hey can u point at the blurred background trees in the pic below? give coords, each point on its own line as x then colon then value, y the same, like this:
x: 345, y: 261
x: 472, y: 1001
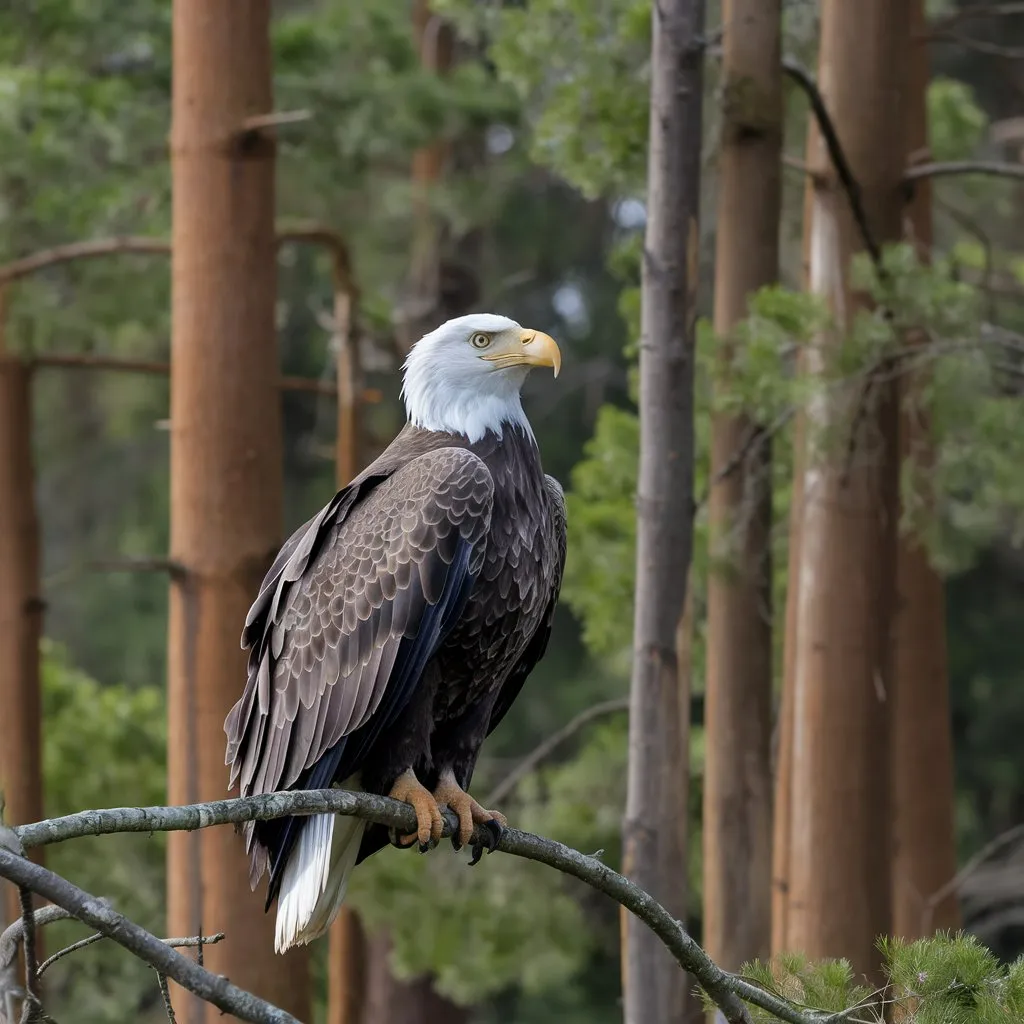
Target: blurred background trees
x: 493, y: 156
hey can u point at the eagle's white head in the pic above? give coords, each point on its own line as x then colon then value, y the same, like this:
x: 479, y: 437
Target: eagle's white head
x: 465, y: 377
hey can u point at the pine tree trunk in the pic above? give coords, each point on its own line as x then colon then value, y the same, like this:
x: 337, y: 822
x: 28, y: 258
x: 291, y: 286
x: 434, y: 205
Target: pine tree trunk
x: 840, y: 841
x: 21, y: 610
x: 783, y: 755
x: 404, y: 1002
x: 924, y: 839
x: 347, y: 955
x: 738, y: 708
x: 226, y: 490
x: 425, y: 301
x: 654, y: 856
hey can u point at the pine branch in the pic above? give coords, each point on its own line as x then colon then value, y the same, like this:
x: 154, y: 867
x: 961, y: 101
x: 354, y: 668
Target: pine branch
x: 727, y: 991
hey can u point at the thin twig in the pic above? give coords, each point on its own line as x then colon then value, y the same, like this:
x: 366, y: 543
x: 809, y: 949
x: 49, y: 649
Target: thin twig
x: 547, y: 747
x: 158, y: 368
x: 275, y: 118
x: 727, y: 991
x: 195, y: 941
x: 148, y: 948
x: 978, y: 45
x: 165, y: 992
x: 28, y: 932
x: 990, y: 168
x: 988, y: 851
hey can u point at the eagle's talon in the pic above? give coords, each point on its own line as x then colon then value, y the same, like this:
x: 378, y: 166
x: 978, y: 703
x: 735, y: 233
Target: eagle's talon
x: 495, y: 829
x: 429, y: 823
x: 468, y: 811
x: 478, y: 852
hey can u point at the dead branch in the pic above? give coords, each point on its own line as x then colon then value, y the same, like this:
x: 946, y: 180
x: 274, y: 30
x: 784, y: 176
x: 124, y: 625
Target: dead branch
x: 986, y: 853
x: 46, y: 258
x: 977, y: 45
x: 86, y: 908
x: 727, y: 991
x: 545, y: 749
x: 93, y: 361
x: 989, y: 168
x: 194, y: 942
x: 975, y: 12
x: 803, y: 78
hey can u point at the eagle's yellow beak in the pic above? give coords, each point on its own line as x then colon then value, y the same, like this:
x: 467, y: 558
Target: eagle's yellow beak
x: 529, y: 348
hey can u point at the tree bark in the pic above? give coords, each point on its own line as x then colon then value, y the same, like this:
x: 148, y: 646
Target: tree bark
x: 226, y: 473
x: 347, y: 956
x: 738, y: 708
x: 657, y: 796
x: 425, y: 304
x: 783, y: 756
x: 21, y: 611
x: 840, y: 826
x: 924, y: 835
x: 405, y: 1002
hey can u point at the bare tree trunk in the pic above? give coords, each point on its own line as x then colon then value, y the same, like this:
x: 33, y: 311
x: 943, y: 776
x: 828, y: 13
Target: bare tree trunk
x: 738, y: 708
x: 424, y: 299
x: 924, y: 840
x: 783, y: 755
x: 21, y: 611
x: 347, y: 970
x: 656, y: 806
x: 404, y: 1002
x: 840, y: 843
x: 225, y: 464
x: 347, y: 956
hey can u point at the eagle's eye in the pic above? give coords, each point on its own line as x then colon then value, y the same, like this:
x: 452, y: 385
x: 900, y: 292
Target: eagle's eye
x: 480, y: 340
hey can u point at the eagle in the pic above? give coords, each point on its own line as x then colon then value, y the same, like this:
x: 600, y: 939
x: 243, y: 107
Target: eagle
x: 396, y: 627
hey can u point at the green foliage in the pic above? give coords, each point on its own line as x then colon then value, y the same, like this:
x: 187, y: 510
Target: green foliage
x: 104, y: 746
x: 956, y: 124
x: 580, y: 68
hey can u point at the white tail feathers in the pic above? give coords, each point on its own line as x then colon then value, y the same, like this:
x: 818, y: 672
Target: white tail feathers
x: 316, y: 878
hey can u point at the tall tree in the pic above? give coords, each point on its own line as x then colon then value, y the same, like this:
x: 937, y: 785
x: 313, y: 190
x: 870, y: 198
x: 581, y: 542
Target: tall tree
x: 656, y: 805
x: 738, y: 707
x: 839, y: 811
x: 20, y: 608
x: 348, y: 951
x: 226, y: 497
x: 924, y: 842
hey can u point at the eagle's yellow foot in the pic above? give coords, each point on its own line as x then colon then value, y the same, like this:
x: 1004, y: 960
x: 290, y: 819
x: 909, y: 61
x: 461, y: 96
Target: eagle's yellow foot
x: 470, y: 814
x: 429, y: 823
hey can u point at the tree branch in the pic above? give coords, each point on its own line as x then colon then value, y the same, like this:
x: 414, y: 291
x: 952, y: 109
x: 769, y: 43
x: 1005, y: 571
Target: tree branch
x: 189, y: 943
x: 727, y: 991
x: 799, y: 74
x: 94, y: 361
x: 544, y: 749
x: 148, y: 948
x: 989, y: 168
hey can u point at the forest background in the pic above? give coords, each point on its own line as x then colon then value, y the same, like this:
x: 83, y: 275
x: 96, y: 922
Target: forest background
x: 491, y: 157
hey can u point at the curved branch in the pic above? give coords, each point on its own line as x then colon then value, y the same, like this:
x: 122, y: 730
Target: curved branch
x: 546, y: 747
x: 726, y: 990
x: 799, y: 74
x: 94, y: 912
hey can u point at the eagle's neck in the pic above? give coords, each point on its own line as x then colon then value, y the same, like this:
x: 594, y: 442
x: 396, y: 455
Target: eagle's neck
x: 433, y: 402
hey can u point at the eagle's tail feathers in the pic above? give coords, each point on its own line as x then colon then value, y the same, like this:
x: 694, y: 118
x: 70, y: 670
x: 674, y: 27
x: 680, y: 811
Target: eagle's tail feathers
x: 316, y: 878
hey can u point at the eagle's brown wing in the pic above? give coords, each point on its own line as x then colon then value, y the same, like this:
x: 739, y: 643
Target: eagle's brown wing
x: 539, y: 641
x: 346, y: 620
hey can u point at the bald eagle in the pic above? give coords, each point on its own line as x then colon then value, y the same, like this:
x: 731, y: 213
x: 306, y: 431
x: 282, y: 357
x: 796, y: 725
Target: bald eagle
x: 396, y: 627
